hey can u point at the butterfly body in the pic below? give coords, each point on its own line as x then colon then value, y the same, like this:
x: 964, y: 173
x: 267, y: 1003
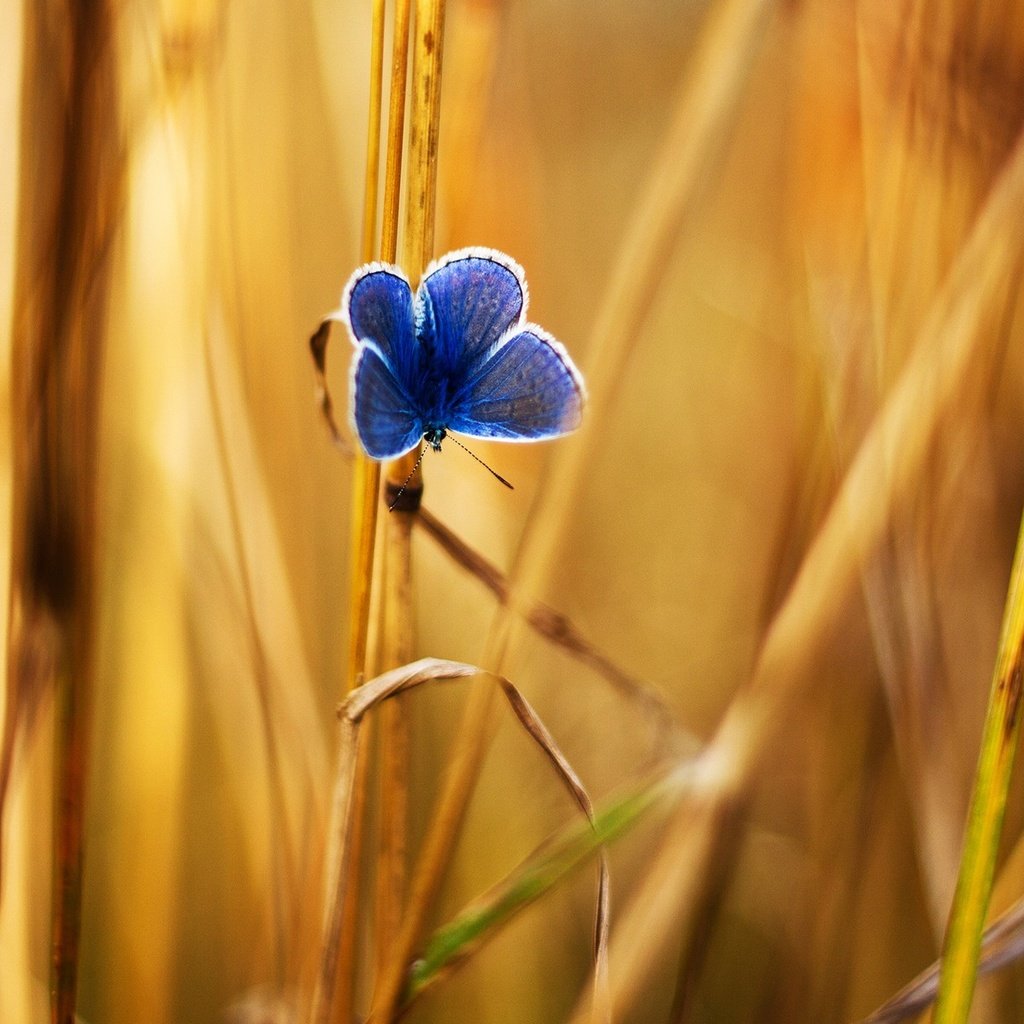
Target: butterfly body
x: 456, y: 356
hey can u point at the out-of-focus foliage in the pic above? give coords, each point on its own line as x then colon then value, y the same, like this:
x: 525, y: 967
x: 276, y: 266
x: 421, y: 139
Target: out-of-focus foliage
x: 830, y: 208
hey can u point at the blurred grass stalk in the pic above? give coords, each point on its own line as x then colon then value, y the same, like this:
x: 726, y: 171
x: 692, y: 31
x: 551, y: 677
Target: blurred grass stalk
x: 72, y: 184
x: 953, y: 357
x: 959, y: 969
x: 365, y: 504
x: 394, y: 646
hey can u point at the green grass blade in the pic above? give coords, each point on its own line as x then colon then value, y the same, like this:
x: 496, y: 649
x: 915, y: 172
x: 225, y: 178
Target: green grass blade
x: 458, y: 939
x: 988, y: 803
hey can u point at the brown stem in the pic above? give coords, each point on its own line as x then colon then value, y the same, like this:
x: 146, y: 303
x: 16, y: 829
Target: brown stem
x: 71, y: 174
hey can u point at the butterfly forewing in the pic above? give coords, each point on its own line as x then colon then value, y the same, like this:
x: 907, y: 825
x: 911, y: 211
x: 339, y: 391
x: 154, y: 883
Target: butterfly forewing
x: 466, y: 305
x: 378, y: 305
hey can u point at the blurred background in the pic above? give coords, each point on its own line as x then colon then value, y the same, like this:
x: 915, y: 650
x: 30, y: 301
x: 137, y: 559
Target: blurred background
x: 833, y: 162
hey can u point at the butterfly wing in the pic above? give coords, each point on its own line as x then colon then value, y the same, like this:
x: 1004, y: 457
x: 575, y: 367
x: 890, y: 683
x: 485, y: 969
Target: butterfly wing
x: 384, y: 417
x: 468, y: 300
x: 377, y: 305
x: 526, y: 389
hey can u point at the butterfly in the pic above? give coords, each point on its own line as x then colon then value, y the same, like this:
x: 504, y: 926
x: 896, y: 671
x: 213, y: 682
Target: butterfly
x: 458, y: 355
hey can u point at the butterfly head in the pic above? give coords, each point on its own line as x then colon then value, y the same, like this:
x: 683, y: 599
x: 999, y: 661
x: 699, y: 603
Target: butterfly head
x: 434, y: 436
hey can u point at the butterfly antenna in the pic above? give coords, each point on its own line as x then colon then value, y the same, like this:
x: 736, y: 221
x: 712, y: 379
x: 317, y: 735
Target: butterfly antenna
x: 481, y: 461
x: 412, y: 473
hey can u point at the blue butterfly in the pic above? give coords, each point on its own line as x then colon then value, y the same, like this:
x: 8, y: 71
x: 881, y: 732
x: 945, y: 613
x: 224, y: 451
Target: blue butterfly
x: 456, y: 356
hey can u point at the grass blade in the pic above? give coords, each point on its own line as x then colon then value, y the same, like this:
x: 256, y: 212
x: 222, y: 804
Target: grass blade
x: 988, y: 805
x: 453, y: 943
x: 71, y: 128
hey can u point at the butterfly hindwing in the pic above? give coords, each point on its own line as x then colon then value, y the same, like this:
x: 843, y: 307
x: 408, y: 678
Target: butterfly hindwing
x: 466, y: 303
x: 384, y: 417
x: 527, y: 390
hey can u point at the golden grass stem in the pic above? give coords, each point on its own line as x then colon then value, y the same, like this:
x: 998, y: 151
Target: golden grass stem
x: 421, y: 188
x: 72, y: 182
x: 424, y: 125
x: 367, y: 472
x: 335, y: 987
x: 417, y: 245
x: 396, y: 132
x: 60, y: 297
x: 396, y: 648
x: 959, y: 968
x: 364, y: 532
x: 340, y: 965
x: 373, y: 125
x: 395, y: 635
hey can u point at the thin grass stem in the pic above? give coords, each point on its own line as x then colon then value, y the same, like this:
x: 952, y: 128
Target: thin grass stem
x: 70, y: 127
x: 959, y: 968
x: 396, y: 132
x: 340, y: 945
x: 367, y: 472
x: 396, y: 648
x: 417, y: 245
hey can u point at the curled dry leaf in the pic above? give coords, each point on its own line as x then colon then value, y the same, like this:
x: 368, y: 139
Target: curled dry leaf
x: 351, y: 714
x: 318, y: 349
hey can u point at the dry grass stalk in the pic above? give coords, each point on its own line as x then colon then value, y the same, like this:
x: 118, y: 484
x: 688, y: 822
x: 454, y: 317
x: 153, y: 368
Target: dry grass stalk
x: 417, y: 246
x: 366, y: 471
x: 396, y: 132
x: 339, y: 952
x: 365, y: 504
x: 72, y: 174
x: 396, y: 648
x: 711, y: 89
x: 395, y: 629
x: 421, y: 188
x: 942, y: 368
x: 561, y: 631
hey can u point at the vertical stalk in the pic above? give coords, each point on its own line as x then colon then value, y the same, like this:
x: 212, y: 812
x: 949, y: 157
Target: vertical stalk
x: 71, y: 173
x: 418, y: 240
x: 396, y: 133
x: 339, y: 964
x: 395, y: 646
x: 334, y: 992
x: 959, y: 968
x: 367, y: 472
x: 417, y: 249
